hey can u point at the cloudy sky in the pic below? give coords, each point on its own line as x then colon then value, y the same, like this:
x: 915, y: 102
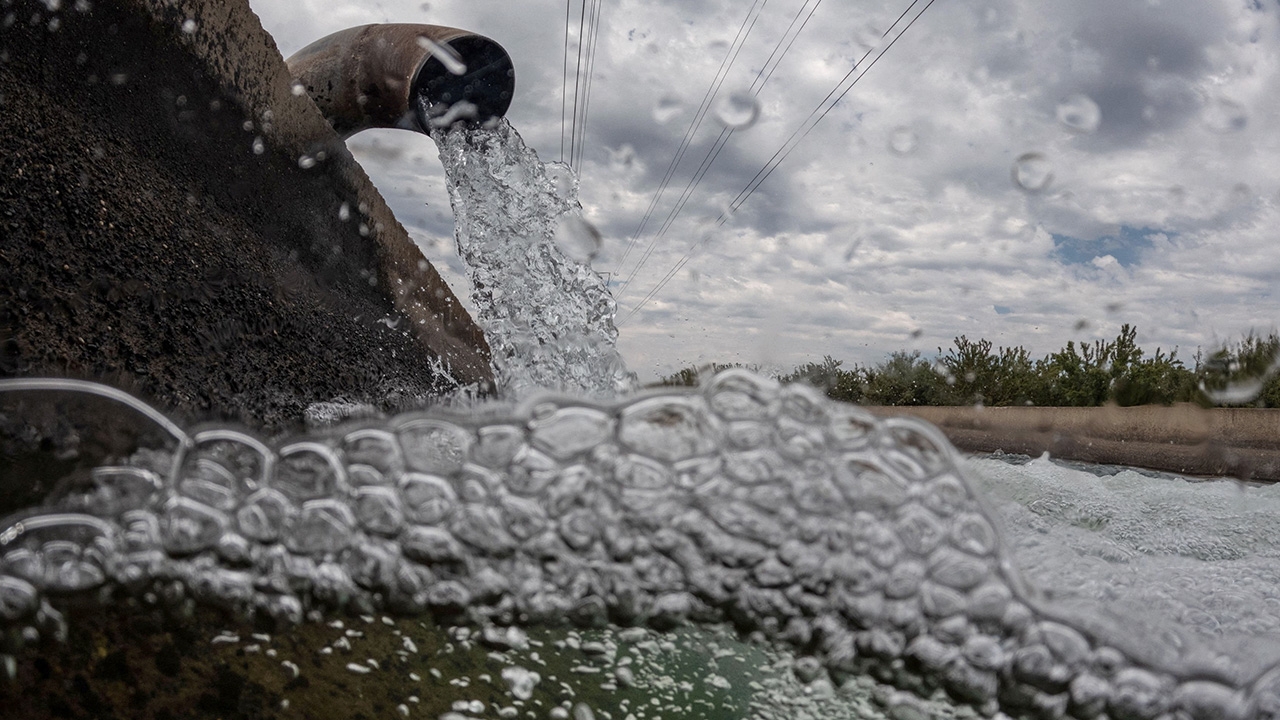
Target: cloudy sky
x: 1020, y: 170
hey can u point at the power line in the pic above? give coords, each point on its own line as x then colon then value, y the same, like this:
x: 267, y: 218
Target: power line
x: 577, y: 79
x: 714, y: 152
x: 675, y: 210
x: 771, y: 64
x: 784, y: 151
x: 564, y: 76
x: 794, y: 141
x: 694, y: 124
x: 793, y: 39
x: 594, y: 46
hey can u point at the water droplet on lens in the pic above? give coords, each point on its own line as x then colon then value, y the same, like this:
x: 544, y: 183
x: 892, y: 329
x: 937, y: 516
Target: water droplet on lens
x: 902, y: 140
x: 447, y: 56
x: 562, y: 179
x: 868, y: 37
x: 1032, y: 172
x: 297, y: 88
x: 258, y: 146
x: 1224, y: 116
x: 344, y: 212
x: 306, y: 162
x: 578, y: 239
x: 189, y: 26
x: 738, y: 110
x: 852, y: 249
x: 669, y: 106
x: 623, y: 158
x: 1079, y: 113
x: 1235, y: 393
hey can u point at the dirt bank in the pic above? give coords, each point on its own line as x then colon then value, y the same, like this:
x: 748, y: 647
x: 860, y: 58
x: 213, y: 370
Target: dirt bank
x: 173, y: 224
x: 176, y: 222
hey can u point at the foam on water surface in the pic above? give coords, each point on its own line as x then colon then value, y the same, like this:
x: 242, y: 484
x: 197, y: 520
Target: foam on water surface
x: 855, y: 541
x: 1197, y: 563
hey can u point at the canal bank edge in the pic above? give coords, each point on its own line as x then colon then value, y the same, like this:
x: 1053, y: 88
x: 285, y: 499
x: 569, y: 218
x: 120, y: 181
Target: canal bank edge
x: 178, y: 222
x: 1233, y: 442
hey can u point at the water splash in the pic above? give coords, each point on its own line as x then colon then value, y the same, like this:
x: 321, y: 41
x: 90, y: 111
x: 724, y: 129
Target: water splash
x: 549, y: 318
x: 858, y: 542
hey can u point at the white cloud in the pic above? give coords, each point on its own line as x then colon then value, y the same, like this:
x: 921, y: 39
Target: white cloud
x: 862, y: 242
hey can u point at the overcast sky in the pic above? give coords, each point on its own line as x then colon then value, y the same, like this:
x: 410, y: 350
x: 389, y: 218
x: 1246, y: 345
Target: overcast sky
x: 899, y: 222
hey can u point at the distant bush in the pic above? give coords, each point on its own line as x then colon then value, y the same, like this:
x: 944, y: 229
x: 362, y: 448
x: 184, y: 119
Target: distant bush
x: 1085, y: 375
x: 691, y: 376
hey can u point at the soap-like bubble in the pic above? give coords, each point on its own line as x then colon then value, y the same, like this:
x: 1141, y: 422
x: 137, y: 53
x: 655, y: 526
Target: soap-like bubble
x: 738, y: 110
x: 1032, y: 172
x: 1079, y: 113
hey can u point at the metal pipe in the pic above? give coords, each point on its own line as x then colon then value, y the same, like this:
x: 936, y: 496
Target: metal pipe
x: 414, y: 77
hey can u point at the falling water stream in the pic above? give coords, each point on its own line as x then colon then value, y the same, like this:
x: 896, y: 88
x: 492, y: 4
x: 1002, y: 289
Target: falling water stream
x: 548, y: 316
x: 859, y: 552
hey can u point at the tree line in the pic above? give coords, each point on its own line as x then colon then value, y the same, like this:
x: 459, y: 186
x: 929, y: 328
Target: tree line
x: 972, y: 372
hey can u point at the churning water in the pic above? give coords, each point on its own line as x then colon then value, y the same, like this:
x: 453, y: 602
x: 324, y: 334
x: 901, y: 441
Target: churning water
x: 860, y: 550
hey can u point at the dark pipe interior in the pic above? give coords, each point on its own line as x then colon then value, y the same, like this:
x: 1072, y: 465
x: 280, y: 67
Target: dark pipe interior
x: 488, y: 82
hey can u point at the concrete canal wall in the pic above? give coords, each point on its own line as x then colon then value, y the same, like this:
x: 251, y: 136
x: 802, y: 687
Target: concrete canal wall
x: 1239, y: 442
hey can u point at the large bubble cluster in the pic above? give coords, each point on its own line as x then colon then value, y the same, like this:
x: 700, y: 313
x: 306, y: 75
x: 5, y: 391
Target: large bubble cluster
x: 853, y: 540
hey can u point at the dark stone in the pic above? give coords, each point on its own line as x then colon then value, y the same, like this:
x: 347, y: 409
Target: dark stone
x: 168, y: 661
x: 148, y: 247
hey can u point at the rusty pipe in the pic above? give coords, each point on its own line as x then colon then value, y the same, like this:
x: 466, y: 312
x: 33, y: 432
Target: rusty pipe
x: 414, y: 77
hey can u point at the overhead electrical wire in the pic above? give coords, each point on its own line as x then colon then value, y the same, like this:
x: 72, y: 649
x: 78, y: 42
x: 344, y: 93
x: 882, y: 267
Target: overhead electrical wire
x: 789, y: 146
x: 648, y: 252
x: 577, y: 79
x: 593, y: 46
x: 573, y: 119
x: 793, y: 141
x: 726, y: 133
x: 771, y: 64
x: 695, y: 123
x: 564, y: 77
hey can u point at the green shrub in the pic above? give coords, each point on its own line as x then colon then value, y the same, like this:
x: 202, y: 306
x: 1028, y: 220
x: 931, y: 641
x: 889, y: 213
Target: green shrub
x: 1084, y: 375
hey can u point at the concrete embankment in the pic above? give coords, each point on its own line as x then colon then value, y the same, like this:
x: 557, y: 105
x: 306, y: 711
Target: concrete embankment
x: 175, y: 221
x: 180, y: 222
x: 1237, y: 442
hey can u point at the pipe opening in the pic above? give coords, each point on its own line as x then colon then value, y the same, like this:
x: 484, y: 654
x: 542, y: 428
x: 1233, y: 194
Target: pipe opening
x: 487, y: 85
